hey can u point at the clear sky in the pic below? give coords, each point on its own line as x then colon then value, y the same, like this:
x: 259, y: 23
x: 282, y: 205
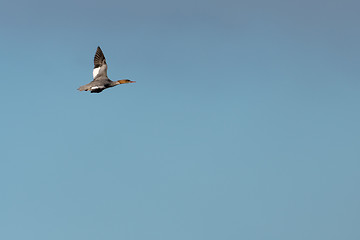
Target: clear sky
x: 243, y: 122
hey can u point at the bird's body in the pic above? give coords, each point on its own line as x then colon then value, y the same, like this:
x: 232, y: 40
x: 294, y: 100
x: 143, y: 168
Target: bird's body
x: 101, y: 80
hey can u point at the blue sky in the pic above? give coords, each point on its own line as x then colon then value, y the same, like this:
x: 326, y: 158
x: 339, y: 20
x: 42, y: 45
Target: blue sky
x: 243, y: 122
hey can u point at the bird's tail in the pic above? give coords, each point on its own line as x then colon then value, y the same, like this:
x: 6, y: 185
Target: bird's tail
x: 84, y: 88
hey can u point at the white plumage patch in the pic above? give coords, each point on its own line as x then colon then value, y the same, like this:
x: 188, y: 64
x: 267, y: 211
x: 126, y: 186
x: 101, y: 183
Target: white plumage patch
x: 96, y: 87
x: 96, y: 71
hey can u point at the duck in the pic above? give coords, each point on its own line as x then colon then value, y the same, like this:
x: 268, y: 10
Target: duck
x: 101, y: 80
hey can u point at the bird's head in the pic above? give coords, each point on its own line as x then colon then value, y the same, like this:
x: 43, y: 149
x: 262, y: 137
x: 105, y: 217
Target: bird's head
x: 124, y: 81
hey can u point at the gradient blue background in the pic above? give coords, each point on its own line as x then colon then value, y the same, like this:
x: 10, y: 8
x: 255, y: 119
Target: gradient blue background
x: 243, y: 123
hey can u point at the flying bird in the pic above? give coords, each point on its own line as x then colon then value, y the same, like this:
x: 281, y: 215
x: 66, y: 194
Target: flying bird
x: 101, y: 80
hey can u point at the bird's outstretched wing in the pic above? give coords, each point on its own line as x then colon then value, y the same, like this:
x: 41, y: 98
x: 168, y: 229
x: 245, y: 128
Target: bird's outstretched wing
x: 100, y: 67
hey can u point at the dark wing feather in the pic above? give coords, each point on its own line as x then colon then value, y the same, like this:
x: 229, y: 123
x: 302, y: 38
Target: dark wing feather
x: 100, y: 66
x: 99, y: 58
